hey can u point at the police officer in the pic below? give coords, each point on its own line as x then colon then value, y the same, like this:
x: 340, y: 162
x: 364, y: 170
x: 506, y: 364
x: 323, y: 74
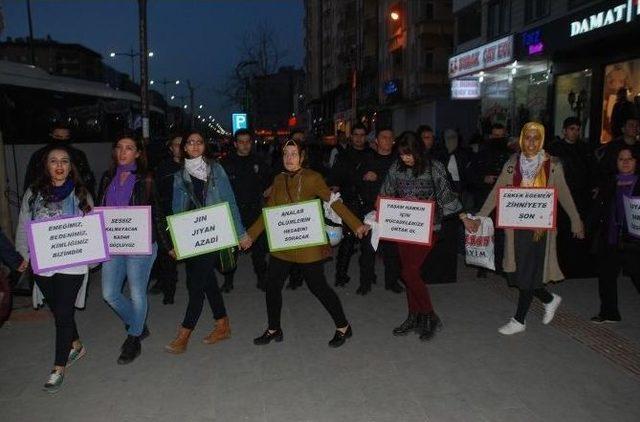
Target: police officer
x: 250, y: 177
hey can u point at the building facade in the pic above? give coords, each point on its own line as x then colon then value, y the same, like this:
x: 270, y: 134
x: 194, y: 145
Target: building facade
x: 547, y: 60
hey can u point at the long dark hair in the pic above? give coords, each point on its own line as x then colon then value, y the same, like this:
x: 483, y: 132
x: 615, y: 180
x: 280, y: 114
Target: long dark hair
x: 205, y: 155
x: 409, y: 144
x: 141, y: 161
x: 42, y: 184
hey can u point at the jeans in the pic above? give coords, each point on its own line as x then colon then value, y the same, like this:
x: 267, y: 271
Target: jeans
x: 136, y: 270
x: 201, y: 282
x: 314, y: 275
x: 60, y: 292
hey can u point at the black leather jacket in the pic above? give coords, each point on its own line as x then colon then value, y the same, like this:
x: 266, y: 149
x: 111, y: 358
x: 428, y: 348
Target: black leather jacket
x: 144, y: 193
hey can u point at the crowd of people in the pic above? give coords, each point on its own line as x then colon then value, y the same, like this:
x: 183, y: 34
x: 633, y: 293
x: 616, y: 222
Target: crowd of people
x: 462, y: 181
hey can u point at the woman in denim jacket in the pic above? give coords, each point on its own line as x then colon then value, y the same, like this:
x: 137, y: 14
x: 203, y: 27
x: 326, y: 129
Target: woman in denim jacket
x: 57, y: 192
x: 198, y: 184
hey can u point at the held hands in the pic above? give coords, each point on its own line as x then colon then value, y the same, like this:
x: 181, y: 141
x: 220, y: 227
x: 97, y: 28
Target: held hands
x: 362, y: 231
x: 470, y: 225
x: 579, y: 234
x: 172, y: 254
x: 370, y: 177
x: 23, y: 265
x: 245, y: 242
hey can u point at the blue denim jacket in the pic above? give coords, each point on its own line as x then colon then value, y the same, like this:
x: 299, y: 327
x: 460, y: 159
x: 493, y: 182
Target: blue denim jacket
x: 218, y: 190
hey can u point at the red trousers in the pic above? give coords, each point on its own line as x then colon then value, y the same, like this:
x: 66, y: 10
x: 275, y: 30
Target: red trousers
x: 411, y: 258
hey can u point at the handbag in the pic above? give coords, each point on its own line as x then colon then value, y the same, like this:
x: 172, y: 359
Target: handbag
x: 227, y: 260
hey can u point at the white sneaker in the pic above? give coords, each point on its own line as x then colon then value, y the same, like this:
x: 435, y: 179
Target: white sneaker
x: 550, y: 309
x: 512, y: 327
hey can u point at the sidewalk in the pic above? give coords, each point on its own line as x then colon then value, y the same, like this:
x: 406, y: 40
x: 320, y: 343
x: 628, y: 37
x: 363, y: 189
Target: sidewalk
x: 467, y: 373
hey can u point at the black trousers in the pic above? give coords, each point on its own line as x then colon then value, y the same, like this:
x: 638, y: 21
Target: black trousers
x: 390, y: 258
x: 60, y: 292
x: 258, y: 259
x: 201, y: 282
x: 314, y: 275
x: 441, y: 265
x: 611, y: 261
x: 166, y: 272
x: 526, y: 297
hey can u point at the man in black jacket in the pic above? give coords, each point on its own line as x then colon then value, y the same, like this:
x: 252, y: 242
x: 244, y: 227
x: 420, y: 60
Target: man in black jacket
x: 250, y: 177
x: 61, y: 134
x: 370, y: 177
x: 343, y: 177
x: 166, y: 267
x: 578, y: 163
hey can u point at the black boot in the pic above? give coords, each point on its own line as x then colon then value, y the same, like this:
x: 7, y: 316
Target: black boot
x: 267, y: 337
x: 394, y: 287
x: 130, y: 350
x: 428, y: 324
x: 407, y: 326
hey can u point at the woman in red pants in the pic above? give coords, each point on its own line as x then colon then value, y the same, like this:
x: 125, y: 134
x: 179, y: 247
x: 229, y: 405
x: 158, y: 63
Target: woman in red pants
x: 415, y: 176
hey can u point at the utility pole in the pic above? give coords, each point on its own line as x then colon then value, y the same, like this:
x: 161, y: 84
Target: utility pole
x: 192, y: 90
x: 32, y: 52
x: 144, y: 70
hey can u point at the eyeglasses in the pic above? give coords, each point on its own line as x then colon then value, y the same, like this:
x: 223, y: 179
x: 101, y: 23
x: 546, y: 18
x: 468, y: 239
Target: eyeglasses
x: 195, y: 142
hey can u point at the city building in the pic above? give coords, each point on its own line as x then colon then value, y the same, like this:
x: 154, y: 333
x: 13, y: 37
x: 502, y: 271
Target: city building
x: 380, y: 62
x: 547, y: 60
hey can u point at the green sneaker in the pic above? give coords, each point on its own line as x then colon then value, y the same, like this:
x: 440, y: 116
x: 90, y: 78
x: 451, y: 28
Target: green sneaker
x: 75, y: 355
x: 54, y: 382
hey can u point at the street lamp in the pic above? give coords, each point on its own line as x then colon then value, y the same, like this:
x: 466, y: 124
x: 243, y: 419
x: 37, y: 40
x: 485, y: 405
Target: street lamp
x: 394, y: 15
x: 164, y: 83
x: 132, y: 55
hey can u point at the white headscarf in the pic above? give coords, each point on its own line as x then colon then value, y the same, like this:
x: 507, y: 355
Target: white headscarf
x: 196, y: 167
x: 529, y: 167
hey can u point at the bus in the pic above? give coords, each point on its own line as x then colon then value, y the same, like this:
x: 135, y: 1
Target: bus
x: 32, y: 100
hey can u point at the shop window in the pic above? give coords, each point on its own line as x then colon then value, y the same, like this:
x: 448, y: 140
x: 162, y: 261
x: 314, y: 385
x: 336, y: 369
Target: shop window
x: 573, y: 99
x: 621, y: 97
x: 469, y: 22
x: 499, y: 18
x: 536, y: 9
x: 530, y: 99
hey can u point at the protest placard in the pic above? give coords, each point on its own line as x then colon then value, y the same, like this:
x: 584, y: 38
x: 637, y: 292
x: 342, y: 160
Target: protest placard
x: 65, y: 242
x: 295, y: 226
x: 201, y: 231
x: 404, y: 220
x: 128, y: 229
x: 632, y: 213
x: 527, y: 208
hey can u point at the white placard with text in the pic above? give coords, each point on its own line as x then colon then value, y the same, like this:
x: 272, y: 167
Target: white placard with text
x: 128, y: 229
x: 527, y: 208
x: 409, y: 221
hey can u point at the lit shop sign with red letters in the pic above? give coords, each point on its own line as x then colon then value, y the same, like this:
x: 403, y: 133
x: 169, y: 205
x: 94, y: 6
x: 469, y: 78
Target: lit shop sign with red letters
x: 489, y: 55
x: 624, y: 12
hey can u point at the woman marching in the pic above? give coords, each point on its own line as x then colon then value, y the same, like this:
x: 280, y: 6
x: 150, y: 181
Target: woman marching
x: 57, y: 192
x: 616, y: 249
x: 128, y: 183
x: 198, y: 184
x: 296, y: 184
x: 415, y: 176
x: 531, y: 254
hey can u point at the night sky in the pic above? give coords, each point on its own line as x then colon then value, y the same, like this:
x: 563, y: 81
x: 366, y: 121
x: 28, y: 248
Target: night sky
x: 191, y: 39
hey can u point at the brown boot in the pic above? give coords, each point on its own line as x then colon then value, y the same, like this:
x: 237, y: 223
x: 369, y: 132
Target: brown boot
x: 221, y: 332
x: 179, y: 344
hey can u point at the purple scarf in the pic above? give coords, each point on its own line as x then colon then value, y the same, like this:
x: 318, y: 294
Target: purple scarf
x: 625, y: 184
x: 119, y: 195
x: 58, y: 193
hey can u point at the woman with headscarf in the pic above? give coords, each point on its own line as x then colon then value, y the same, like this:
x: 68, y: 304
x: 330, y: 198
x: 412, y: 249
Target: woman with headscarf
x: 531, y: 254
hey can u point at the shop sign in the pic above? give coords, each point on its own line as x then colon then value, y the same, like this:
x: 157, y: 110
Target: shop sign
x: 532, y: 41
x: 489, y: 55
x: 623, y: 12
x: 465, y: 89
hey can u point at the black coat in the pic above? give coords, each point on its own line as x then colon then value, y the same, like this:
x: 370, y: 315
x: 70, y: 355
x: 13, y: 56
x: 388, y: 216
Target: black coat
x: 249, y: 177
x: 164, y: 182
x: 144, y: 193
x: 346, y: 173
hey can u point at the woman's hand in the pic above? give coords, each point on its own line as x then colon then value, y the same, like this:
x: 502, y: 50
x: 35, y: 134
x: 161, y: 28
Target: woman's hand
x: 172, y: 254
x: 245, y: 242
x: 579, y: 234
x: 23, y: 265
x: 362, y: 231
x: 470, y: 225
